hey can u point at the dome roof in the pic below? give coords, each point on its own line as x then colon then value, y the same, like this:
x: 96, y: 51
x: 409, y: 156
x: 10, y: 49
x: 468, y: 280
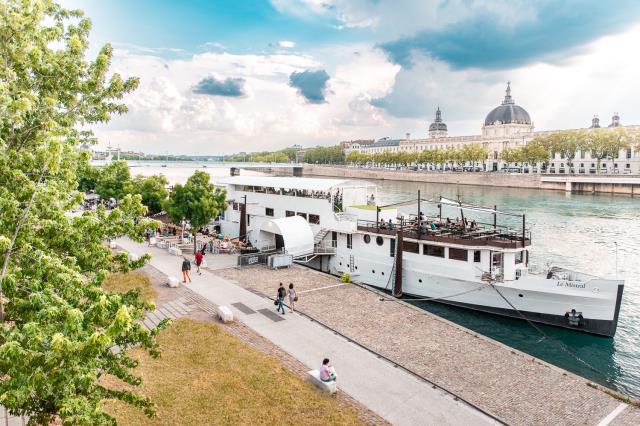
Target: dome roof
x: 438, y: 124
x: 508, y: 112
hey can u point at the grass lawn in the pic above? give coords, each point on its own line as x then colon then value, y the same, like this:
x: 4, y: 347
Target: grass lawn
x: 119, y: 283
x: 206, y: 376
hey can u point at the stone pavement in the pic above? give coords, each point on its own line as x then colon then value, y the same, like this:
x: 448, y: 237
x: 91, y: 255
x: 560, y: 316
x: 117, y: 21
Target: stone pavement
x: 394, y: 394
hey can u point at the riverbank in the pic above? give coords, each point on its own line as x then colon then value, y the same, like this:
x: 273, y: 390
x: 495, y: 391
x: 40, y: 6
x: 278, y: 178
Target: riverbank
x: 392, y: 339
x: 617, y: 184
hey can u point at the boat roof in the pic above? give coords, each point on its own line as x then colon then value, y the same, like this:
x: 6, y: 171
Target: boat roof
x: 289, y: 182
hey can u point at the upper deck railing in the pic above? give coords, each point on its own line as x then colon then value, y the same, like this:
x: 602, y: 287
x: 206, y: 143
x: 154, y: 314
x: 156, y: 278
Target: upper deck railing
x: 484, y: 234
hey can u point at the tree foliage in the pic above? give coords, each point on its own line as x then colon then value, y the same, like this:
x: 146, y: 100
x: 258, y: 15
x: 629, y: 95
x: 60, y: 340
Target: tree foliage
x: 114, y: 180
x: 198, y: 201
x: 152, y: 189
x: 324, y: 155
x: 58, y: 327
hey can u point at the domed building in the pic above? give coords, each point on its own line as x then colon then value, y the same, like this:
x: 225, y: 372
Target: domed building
x: 507, y: 119
x: 438, y: 129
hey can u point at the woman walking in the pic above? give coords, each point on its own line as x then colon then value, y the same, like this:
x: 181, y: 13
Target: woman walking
x: 199, y: 257
x: 186, y: 267
x: 293, y: 297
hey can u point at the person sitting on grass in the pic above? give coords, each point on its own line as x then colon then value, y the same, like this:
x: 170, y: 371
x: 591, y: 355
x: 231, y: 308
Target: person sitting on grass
x: 327, y: 372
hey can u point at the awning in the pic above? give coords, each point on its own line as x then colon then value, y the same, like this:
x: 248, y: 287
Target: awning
x: 296, y: 234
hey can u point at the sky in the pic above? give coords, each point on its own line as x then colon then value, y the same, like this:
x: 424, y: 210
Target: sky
x: 220, y: 77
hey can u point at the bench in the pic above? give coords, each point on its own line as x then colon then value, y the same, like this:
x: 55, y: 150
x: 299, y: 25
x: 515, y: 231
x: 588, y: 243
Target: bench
x: 224, y: 313
x: 313, y: 376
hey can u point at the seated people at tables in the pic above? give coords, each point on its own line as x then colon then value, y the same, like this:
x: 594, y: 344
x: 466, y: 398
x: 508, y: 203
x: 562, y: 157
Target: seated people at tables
x: 382, y: 224
x: 474, y: 226
x: 433, y: 226
x: 390, y: 224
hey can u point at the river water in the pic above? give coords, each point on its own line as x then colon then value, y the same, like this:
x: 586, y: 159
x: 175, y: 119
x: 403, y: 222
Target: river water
x: 576, y: 231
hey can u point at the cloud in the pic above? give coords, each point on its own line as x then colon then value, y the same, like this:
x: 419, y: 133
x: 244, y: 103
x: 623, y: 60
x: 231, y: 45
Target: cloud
x: 231, y: 87
x: 547, y: 33
x: 286, y: 44
x: 310, y: 84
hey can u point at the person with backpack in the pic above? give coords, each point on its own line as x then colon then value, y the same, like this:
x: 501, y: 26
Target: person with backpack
x: 186, y: 267
x: 282, y: 292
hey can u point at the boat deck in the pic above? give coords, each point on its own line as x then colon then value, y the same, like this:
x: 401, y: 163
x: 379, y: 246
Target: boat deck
x: 500, y: 237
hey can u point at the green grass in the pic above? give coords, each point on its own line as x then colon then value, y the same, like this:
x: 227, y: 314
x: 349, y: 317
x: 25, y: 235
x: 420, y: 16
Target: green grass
x: 207, y: 376
x: 119, y: 283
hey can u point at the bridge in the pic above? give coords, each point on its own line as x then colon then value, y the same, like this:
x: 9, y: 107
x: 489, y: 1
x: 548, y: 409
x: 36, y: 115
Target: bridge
x: 593, y: 184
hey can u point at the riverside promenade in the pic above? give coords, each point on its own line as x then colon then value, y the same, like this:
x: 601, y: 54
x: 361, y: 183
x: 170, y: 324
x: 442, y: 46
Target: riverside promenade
x: 396, y: 395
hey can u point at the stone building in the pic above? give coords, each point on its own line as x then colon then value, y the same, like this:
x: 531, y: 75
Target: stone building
x: 506, y: 126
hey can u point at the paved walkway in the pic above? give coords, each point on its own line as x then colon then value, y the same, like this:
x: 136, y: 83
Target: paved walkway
x: 394, y: 394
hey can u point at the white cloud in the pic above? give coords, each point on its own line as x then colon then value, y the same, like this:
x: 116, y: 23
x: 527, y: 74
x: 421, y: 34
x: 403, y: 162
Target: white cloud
x: 165, y: 115
x: 286, y: 44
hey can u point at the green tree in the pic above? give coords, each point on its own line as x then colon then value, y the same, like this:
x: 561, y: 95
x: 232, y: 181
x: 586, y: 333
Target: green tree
x: 153, y: 190
x: 114, y: 181
x: 58, y: 327
x: 88, y: 175
x: 536, y: 152
x: 198, y: 201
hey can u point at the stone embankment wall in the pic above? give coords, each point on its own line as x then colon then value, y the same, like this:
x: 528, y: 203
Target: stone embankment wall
x: 505, y: 180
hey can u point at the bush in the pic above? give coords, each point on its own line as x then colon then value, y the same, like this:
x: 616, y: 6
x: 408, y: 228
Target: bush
x: 346, y: 278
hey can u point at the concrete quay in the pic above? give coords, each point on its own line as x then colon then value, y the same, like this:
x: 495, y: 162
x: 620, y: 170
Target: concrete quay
x: 394, y: 394
x: 600, y: 184
x: 513, y: 386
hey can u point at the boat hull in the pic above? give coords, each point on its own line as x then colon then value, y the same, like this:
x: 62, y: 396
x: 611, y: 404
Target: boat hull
x: 600, y: 327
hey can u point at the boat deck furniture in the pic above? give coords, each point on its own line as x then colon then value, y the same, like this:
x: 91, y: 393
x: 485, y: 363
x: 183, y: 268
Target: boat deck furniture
x: 313, y: 376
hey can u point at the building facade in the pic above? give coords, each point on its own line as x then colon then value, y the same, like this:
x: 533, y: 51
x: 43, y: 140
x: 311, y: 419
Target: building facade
x: 507, y: 126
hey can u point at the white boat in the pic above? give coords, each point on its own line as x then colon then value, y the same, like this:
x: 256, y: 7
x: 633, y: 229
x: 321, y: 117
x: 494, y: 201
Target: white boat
x: 335, y: 226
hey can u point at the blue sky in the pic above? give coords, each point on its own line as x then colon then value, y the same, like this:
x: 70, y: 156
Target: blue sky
x: 222, y: 75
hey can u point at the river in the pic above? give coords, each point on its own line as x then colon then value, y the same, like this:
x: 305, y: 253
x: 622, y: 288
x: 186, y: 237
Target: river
x: 570, y: 230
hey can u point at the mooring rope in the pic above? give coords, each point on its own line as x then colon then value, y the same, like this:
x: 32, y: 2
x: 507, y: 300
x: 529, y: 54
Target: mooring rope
x: 427, y: 299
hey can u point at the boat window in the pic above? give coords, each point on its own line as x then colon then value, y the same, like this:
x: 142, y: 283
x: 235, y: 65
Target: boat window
x: 476, y: 256
x: 379, y: 240
x: 458, y: 254
x: 519, y: 257
x: 334, y: 238
x: 436, y: 251
x: 289, y: 213
x: 314, y: 219
x: 366, y: 238
x: 392, y: 247
x: 235, y: 206
x: 411, y: 247
x: 349, y: 241
x: 268, y: 211
x: 302, y: 214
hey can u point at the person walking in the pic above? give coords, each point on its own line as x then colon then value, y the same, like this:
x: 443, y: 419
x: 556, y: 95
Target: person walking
x: 282, y: 292
x: 186, y: 267
x: 199, y: 257
x: 293, y: 297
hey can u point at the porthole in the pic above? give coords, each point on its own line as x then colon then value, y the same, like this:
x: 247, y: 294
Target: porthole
x: 379, y: 240
x: 373, y: 271
x: 382, y: 273
x: 355, y: 267
x: 520, y: 295
x: 347, y: 265
x: 367, y: 238
x: 340, y: 263
x: 420, y: 280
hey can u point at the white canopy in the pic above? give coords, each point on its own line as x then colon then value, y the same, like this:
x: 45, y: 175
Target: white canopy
x: 296, y: 234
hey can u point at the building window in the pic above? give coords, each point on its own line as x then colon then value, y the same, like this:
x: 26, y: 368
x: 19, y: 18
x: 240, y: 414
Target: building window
x: 366, y: 238
x: 268, y: 211
x: 458, y: 254
x: 582, y: 154
x: 430, y: 250
x: 334, y: 238
x: 289, y: 213
x: 476, y: 256
x: 628, y: 153
x: 411, y: 247
x: 304, y: 215
x: 349, y: 241
x: 379, y: 240
x: 314, y: 219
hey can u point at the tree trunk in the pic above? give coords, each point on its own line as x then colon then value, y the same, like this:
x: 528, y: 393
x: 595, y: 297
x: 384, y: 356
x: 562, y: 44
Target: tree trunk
x: 195, y: 243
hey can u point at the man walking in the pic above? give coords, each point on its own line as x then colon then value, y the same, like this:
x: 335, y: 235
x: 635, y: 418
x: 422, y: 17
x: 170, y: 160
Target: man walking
x: 282, y: 292
x: 186, y: 267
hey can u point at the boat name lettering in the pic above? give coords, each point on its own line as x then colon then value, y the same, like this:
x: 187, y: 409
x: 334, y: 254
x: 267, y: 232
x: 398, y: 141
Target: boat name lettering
x: 574, y: 284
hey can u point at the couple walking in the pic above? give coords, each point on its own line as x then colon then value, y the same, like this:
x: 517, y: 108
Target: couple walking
x: 282, y: 293
x: 186, y: 266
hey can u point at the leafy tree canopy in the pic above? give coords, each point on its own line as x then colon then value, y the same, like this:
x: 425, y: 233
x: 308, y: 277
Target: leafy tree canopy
x: 198, y: 201
x: 58, y: 328
x: 153, y: 191
x: 114, y: 180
